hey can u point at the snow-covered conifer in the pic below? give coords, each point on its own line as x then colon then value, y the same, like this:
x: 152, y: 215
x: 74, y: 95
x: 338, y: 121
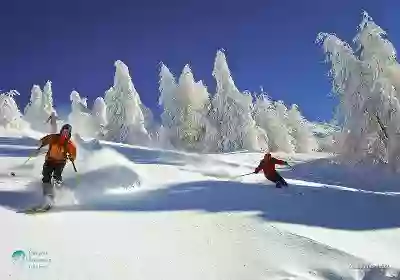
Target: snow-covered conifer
x: 35, y: 112
x: 100, y: 115
x: 48, y: 97
x: 80, y: 117
x: 282, y: 137
x: 300, y: 130
x: 184, y: 109
x: 365, y: 81
x: 10, y: 116
x: 125, y: 120
x: 231, y: 112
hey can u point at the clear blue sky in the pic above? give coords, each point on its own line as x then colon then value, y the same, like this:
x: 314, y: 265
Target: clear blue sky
x: 268, y: 42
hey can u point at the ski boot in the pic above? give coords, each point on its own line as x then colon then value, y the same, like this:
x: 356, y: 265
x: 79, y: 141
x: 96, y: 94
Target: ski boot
x: 57, y: 183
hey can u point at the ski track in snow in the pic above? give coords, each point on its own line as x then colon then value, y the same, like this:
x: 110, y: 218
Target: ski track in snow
x: 140, y: 213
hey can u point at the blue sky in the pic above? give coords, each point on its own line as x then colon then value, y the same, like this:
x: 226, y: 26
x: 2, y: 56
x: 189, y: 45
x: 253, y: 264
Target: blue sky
x: 268, y: 43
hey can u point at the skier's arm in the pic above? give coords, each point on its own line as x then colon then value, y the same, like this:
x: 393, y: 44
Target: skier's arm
x: 259, y: 167
x: 45, y: 141
x: 281, y: 162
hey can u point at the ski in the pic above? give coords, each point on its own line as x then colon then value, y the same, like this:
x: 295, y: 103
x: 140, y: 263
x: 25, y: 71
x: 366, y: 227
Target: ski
x: 40, y: 208
x: 288, y: 190
x: 37, y: 209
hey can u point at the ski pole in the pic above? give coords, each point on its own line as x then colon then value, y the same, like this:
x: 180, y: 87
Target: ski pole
x: 76, y: 171
x: 26, y: 161
x: 244, y: 175
x: 78, y: 178
x: 35, y: 153
x: 29, y: 158
x: 73, y: 165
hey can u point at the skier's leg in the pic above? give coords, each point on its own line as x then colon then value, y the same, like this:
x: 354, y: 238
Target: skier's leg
x: 280, y: 179
x: 274, y: 179
x: 47, y: 170
x: 58, y: 170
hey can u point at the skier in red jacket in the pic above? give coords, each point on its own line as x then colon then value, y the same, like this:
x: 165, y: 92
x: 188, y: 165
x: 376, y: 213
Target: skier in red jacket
x: 268, y: 166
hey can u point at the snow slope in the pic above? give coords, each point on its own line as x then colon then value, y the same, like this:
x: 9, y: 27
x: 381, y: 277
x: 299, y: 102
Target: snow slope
x: 139, y: 213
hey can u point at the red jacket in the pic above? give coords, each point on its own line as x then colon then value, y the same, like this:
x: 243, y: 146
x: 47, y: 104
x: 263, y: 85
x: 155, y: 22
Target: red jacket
x: 268, y: 166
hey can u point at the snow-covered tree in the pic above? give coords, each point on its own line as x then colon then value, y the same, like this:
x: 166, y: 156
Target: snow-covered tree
x: 35, y: 100
x: 150, y: 124
x: 266, y: 118
x: 184, y: 109
x: 80, y: 117
x: 125, y: 120
x: 231, y: 112
x: 38, y: 110
x: 100, y: 115
x: 10, y: 116
x: 301, y: 132
x: 201, y: 128
x: 168, y: 99
x: 350, y: 87
x: 48, y: 97
x: 284, y: 140
x: 193, y: 98
x: 366, y: 81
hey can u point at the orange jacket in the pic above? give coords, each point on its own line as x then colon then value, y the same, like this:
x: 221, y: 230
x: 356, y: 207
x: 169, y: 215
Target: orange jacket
x: 268, y: 166
x: 59, y: 150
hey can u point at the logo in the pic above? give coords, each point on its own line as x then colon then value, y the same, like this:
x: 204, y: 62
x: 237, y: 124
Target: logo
x: 31, y: 259
x: 18, y: 256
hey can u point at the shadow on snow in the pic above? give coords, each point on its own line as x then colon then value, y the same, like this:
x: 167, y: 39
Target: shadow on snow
x: 18, y: 141
x: 17, y: 147
x: 142, y: 155
x: 321, y: 207
x: 324, y: 171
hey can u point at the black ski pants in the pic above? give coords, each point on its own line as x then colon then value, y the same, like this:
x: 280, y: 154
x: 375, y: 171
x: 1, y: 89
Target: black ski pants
x: 277, y: 178
x: 52, y: 169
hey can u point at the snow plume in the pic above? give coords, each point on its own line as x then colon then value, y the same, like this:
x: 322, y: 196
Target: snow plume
x: 39, y: 108
x: 231, y: 112
x: 366, y: 82
x: 185, y: 108
x: 10, y: 116
x: 125, y: 119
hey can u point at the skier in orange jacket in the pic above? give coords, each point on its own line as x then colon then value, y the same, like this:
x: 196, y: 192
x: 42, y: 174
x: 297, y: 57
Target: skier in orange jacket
x: 61, y: 149
x: 268, y: 166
